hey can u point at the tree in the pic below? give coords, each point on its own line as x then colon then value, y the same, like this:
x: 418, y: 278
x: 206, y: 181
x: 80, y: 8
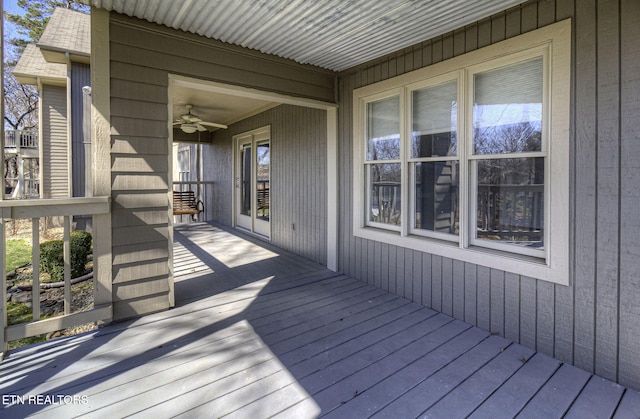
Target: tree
x: 32, y: 23
x: 21, y: 102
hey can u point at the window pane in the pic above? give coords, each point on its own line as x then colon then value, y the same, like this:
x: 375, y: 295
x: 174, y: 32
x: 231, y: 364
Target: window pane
x: 383, y: 129
x: 245, y: 179
x: 507, y: 110
x: 436, y: 196
x: 435, y: 119
x: 511, y: 201
x: 262, y: 180
x: 384, y: 193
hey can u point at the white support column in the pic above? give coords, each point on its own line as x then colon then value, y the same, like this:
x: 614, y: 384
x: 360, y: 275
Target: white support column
x: 67, y: 264
x: 170, y: 161
x: 44, y: 183
x: 35, y: 263
x: 332, y: 189
x: 69, y: 130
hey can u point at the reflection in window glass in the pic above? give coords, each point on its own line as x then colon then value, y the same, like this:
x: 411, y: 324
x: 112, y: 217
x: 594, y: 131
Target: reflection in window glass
x: 262, y: 180
x: 510, y: 201
x: 245, y: 180
x: 507, y: 109
x: 435, y: 118
x: 436, y: 196
x: 384, y: 193
x: 383, y: 129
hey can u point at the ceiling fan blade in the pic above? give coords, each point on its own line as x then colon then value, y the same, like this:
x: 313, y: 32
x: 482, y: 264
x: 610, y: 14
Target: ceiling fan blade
x: 200, y: 127
x: 213, y: 124
x: 190, y: 118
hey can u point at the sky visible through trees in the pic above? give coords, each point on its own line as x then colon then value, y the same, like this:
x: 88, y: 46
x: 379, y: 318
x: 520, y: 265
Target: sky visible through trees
x: 24, y: 22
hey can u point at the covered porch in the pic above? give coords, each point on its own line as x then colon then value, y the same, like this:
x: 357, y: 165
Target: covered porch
x: 260, y: 332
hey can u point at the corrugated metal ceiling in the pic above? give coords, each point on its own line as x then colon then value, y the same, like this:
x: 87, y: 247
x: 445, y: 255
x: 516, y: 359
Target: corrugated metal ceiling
x: 333, y: 34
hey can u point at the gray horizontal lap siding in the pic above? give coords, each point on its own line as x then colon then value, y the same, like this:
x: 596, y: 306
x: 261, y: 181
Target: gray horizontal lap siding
x: 142, y: 56
x: 595, y: 322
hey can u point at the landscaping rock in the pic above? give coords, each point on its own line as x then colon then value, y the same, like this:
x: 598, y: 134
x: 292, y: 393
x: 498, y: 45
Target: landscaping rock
x: 51, y: 307
x: 21, y: 297
x: 53, y: 335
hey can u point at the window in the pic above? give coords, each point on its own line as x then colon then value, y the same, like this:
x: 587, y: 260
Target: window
x: 382, y: 164
x: 508, y: 140
x: 466, y: 158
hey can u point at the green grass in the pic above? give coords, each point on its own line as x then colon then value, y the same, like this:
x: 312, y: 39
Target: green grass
x: 19, y: 313
x: 18, y: 253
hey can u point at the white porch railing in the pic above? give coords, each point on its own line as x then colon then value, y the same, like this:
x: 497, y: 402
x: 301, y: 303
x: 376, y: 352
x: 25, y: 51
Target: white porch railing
x: 21, y: 139
x: 29, y: 190
x: 99, y: 209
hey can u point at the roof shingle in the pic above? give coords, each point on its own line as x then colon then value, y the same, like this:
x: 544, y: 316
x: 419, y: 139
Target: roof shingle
x: 67, y: 30
x: 32, y: 64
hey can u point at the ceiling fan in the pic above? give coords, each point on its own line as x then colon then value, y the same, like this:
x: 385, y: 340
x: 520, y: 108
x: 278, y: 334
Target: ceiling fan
x: 190, y: 123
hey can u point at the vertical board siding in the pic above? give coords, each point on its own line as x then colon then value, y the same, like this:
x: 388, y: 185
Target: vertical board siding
x: 484, y: 298
x: 55, y: 144
x: 585, y: 183
x: 594, y: 322
x: 470, y: 294
x: 608, y: 186
x: 220, y: 173
x: 80, y: 131
x: 545, y: 317
x: 298, y: 176
x: 496, y: 294
x: 629, y: 257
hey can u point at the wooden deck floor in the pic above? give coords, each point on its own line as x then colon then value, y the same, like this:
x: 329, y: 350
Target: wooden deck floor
x: 258, y: 332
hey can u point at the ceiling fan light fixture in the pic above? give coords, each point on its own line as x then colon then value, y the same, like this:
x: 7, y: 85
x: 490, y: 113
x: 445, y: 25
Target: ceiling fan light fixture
x: 190, y: 123
x: 188, y: 128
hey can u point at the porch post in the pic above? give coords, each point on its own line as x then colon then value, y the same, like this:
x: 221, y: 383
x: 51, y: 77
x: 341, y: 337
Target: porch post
x: 332, y: 189
x: 172, y: 294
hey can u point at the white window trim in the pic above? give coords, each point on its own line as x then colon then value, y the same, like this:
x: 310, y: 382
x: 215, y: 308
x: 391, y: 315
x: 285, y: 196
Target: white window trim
x: 399, y: 92
x: 555, y: 267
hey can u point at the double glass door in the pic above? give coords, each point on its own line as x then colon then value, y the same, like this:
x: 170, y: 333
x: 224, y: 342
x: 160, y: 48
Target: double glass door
x: 253, y: 181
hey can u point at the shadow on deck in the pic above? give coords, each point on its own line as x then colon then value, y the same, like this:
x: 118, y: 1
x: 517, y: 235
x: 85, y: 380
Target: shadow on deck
x: 258, y: 332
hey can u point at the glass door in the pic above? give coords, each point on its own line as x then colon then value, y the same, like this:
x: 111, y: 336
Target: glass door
x: 243, y: 185
x: 262, y: 185
x: 253, y: 181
